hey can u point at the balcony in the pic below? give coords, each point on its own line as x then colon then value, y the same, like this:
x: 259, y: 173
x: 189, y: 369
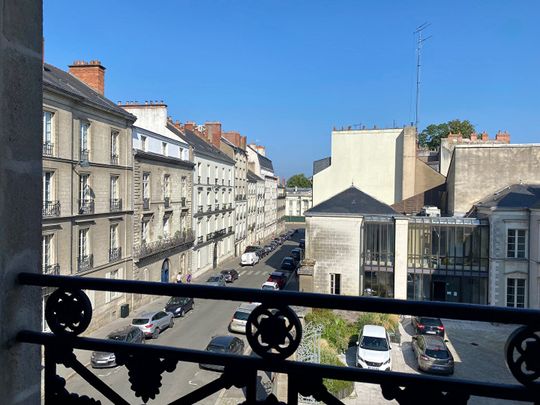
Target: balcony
x: 85, y: 263
x: 51, y: 209
x: 277, y: 338
x: 116, y: 204
x: 48, y: 149
x: 115, y: 254
x: 84, y: 157
x: 114, y: 159
x: 146, y: 204
x: 200, y: 239
x: 146, y: 249
x: 167, y: 202
x: 86, y: 206
x: 209, y: 208
x: 52, y: 269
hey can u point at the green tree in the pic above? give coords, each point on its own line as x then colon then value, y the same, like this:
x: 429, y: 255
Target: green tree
x: 299, y: 180
x: 431, y: 136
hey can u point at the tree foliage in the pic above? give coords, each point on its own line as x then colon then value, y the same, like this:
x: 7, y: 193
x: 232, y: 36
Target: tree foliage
x: 431, y: 136
x: 299, y: 180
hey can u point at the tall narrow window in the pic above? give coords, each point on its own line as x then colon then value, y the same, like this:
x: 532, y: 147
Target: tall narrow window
x: 166, y: 227
x: 164, y: 149
x: 516, y: 243
x: 167, y: 186
x: 114, y: 148
x: 144, y: 232
x: 515, y: 292
x: 86, y: 203
x: 335, y: 283
x: 84, y: 141
x: 143, y: 143
x: 47, y: 252
x: 47, y: 133
x: 146, y: 185
x: 47, y: 187
x: 113, y: 236
x: 84, y: 248
x: 114, y: 187
x: 183, y: 187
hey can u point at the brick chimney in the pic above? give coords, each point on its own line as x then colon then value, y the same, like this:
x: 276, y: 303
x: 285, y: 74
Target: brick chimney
x: 213, y: 133
x: 91, y: 73
x: 233, y: 137
x: 484, y: 136
x: 502, y: 137
x: 474, y: 136
x: 243, y: 142
x: 262, y: 150
x: 190, y: 125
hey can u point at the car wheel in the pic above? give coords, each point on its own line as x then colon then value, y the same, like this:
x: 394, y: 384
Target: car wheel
x: 171, y: 323
x: 155, y: 335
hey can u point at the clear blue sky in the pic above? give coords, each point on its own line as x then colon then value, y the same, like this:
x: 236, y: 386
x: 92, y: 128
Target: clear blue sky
x: 285, y: 72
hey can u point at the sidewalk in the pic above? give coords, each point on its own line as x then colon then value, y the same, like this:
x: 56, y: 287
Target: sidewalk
x: 84, y: 355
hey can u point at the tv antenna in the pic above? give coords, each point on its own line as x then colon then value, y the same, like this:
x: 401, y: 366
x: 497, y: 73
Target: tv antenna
x: 419, y: 42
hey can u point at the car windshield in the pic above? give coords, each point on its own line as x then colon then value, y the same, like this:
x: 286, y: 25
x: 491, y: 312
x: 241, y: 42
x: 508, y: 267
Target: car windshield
x: 119, y: 338
x: 437, y: 353
x: 176, y: 301
x: 241, y: 315
x: 215, y: 348
x: 430, y: 321
x: 213, y: 279
x: 374, y: 343
x: 140, y: 321
x: 268, y: 287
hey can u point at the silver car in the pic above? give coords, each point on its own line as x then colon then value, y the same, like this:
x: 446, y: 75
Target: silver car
x: 239, y: 319
x: 152, y: 323
x: 217, y: 281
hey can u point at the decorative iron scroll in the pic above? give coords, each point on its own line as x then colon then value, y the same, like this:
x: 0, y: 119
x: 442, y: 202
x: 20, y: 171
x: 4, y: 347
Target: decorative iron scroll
x: 68, y: 312
x: 273, y: 332
x: 522, y: 350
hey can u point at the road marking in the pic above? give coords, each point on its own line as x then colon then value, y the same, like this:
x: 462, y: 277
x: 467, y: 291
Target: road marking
x: 192, y: 383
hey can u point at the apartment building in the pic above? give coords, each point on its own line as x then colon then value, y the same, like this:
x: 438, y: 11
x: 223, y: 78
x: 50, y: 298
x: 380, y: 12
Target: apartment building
x: 280, y: 208
x: 252, y: 206
x: 87, y: 183
x: 234, y: 145
x: 299, y: 200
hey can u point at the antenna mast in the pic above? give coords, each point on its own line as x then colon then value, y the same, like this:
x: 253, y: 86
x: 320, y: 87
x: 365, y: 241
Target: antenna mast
x: 419, y: 43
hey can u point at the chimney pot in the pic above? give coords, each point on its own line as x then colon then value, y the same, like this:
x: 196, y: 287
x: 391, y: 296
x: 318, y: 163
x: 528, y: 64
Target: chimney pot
x: 92, y: 74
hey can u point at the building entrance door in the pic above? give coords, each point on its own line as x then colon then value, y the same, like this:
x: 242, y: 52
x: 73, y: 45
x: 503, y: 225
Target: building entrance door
x: 165, y: 271
x: 439, y: 291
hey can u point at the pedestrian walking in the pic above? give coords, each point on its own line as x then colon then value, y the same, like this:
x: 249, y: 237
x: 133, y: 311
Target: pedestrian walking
x: 188, y: 278
x: 179, y: 278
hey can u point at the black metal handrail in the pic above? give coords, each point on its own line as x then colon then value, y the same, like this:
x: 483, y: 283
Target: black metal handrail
x: 52, y: 269
x: 149, y: 248
x: 115, y: 254
x: 86, y: 206
x: 85, y: 262
x: 84, y: 156
x: 303, y: 377
x: 48, y: 149
x: 114, y: 159
x: 116, y: 204
x: 51, y: 209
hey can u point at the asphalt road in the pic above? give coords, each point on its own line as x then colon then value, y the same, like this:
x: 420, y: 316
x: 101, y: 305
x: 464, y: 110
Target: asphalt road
x: 209, y: 318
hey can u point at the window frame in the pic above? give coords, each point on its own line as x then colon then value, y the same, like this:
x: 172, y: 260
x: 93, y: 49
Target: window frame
x: 514, y: 246
x: 511, y: 290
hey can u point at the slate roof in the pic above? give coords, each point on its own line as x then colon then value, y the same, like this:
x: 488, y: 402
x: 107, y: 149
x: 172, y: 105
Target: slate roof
x: 514, y: 196
x: 203, y: 148
x: 351, y: 202
x: 252, y: 176
x: 62, y: 81
x: 265, y: 163
x: 321, y: 164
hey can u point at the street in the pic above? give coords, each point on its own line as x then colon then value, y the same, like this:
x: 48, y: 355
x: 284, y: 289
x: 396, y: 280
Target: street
x: 207, y: 319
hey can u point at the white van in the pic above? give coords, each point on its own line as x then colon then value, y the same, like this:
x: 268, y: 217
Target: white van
x: 374, y: 349
x: 249, y: 259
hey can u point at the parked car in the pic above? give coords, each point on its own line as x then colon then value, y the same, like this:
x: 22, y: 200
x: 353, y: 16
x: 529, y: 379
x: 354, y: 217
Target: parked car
x: 288, y: 263
x: 427, y: 326
x: 129, y: 334
x: 268, y: 248
x: 374, y: 348
x: 249, y: 259
x: 302, y: 244
x: 216, y: 281
x: 432, y: 354
x: 178, y: 306
x: 239, y: 319
x: 230, y: 275
x: 252, y: 248
x: 278, y: 277
x: 261, y: 253
x: 297, y: 254
x: 152, y: 323
x: 270, y: 285
x: 223, y: 344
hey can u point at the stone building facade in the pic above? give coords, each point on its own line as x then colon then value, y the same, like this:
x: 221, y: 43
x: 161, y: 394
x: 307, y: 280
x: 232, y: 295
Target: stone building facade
x: 299, y: 200
x: 87, y: 183
x: 253, y: 206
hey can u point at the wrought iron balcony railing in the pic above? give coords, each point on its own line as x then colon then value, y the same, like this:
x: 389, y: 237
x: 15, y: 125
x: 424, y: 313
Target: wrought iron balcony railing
x: 51, y: 209
x: 85, y: 262
x: 84, y: 157
x: 183, y: 202
x: 167, y: 202
x: 114, y: 159
x: 274, y: 332
x: 52, y: 269
x: 146, y: 203
x: 48, y: 149
x: 116, y: 204
x: 115, y: 254
x: 149, y: 248
x: 86, y: 206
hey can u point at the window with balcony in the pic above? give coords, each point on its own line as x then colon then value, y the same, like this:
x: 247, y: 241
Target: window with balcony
x: 114, y: 148
x: 48, y: 255
x: 515, y: 292
x: 116, y: 202
x: 84, y: 155
x: 167, y: 190
x: 84, y: 260
x: 51, y: 207
x: 146, y: 190
x: 144, y: 145
x: 166, y: 227
x: 86, y: 200
x: 114, y: 248
x: 516, y: 243
x: 48, y: 145
x: 144, y: 232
